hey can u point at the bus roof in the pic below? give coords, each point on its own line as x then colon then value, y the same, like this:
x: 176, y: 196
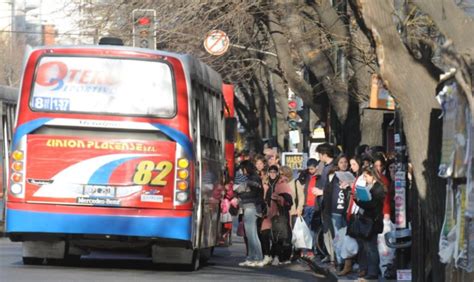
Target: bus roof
x: 193, y: 67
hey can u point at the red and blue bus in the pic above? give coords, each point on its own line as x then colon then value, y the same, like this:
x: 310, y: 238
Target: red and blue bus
x: 117, y: 148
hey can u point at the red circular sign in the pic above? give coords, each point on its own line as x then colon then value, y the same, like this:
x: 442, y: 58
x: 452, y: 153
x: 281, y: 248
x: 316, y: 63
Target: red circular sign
x: 216, y: 42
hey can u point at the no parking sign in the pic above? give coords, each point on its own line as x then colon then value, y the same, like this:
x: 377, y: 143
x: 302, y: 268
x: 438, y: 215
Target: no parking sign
x: 216, y: 42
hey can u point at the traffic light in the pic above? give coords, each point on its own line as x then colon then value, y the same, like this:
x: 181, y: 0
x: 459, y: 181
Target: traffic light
x: 144, y: 35
x: 293, y: 117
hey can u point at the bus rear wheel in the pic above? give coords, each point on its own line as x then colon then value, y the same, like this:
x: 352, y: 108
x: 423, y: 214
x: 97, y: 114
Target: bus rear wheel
x: 32, y: 261
x: 195, y: 262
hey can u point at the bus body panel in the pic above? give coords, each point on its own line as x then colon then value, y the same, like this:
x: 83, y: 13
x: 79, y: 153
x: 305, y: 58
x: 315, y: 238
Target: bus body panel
x: 228, y: 92
x: 84, y: 175
x: 99, y: 171
x: 26, y: 218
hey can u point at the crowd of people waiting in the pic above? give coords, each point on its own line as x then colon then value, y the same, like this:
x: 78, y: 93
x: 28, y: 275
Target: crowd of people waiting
x: 268, y: 198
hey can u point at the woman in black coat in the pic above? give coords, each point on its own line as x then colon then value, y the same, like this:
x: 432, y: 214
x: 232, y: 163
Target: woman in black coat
x: 372, y: 209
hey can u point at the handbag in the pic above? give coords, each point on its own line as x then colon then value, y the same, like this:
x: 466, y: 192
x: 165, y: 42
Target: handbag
x: 233, y: 210
x: 241, y: 229
x: 360, y: 226
x: 280, y: 228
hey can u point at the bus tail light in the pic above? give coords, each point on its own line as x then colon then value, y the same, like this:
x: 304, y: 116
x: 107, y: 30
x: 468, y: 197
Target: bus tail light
x: 17, y: 177
x: 183, y: 174
x: 17, y: 173
x: 182, y: 181
x: 182, y: 185
x: 183, y: 163
x: 16, y: 189
x: 18, y: 155
x: 17, y: 166
x: 182, y: 196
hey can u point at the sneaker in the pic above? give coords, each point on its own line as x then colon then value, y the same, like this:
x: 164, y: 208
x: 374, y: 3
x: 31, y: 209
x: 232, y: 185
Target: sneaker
x: 275, y: 261
x: 245, y: 263
x: 267, y: 260
x: 258, y: 263
x: 285, y: 262
x: 295, y: 257
x: 309, y: 255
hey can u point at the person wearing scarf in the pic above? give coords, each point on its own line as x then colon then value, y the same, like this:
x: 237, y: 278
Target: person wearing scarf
x: 372, y: 209
x: 266, y: 228
x: 281, y: 202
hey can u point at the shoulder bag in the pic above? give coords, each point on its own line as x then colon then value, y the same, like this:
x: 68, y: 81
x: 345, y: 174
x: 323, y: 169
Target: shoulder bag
x: 360, y: 226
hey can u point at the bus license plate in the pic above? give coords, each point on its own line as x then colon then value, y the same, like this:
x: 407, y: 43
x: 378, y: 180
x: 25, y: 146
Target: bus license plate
x: 99, y: 191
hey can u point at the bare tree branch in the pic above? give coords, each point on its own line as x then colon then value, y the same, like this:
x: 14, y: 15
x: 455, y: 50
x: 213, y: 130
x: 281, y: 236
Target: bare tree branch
x: 451, y: 21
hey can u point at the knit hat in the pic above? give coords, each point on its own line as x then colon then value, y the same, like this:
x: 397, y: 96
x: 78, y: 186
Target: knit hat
x: 274, y: 168
x: 239, y: 178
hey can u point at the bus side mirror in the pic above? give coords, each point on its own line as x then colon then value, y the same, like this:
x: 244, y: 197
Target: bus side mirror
x: 230, y: 129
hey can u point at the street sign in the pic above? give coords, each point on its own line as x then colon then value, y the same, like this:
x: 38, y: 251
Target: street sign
x: 216, y: 42
x: 379, y: 96
x: 295, y: 161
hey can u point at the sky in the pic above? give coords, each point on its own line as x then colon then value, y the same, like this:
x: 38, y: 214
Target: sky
x: 61, y: 13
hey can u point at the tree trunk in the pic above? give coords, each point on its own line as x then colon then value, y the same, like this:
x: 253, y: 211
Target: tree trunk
x: 281, y: 95
x: 282, y: 48
x: 363, y: 62
x: 451, y: 21
x: 414, y: 89
x: 306, y: 37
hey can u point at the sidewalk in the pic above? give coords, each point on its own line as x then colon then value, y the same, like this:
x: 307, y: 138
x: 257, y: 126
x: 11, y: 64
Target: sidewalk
x: 331, y: 273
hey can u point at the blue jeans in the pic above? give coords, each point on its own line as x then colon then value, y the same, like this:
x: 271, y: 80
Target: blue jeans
x: 308, y: 218
x: 369, y: 255
x: 250, y: 225
x: 338, y: 222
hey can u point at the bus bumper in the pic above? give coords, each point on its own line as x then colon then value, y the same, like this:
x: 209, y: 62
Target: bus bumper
x: 40, y: 218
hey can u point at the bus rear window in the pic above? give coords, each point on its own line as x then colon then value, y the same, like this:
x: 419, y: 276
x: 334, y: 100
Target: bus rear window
x: 103, y: 86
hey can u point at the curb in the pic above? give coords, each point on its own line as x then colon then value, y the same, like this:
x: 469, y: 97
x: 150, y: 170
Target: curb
x: 322, y: 268
x: 318, y: 268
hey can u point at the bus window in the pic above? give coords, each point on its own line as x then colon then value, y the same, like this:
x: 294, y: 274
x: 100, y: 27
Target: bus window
x: 103, y: 86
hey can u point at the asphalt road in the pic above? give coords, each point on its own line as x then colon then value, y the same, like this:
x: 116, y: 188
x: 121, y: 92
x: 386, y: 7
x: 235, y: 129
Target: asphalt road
x: 223, y: 266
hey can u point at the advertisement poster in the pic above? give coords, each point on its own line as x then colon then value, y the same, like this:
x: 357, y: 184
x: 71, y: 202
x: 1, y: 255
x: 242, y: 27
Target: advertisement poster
x: 461, y: 139
x: 460, y: 250
x: 449, y: 105
x: 447, y: 239
x: 468, y: 263
x: 400, y: 200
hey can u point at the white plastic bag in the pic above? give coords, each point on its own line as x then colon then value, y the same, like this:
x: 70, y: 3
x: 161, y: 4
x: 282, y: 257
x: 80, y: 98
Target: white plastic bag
x: 349, y: 247
x: 338, y: 240
x: 302, y: 237
x: 386, y: 254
